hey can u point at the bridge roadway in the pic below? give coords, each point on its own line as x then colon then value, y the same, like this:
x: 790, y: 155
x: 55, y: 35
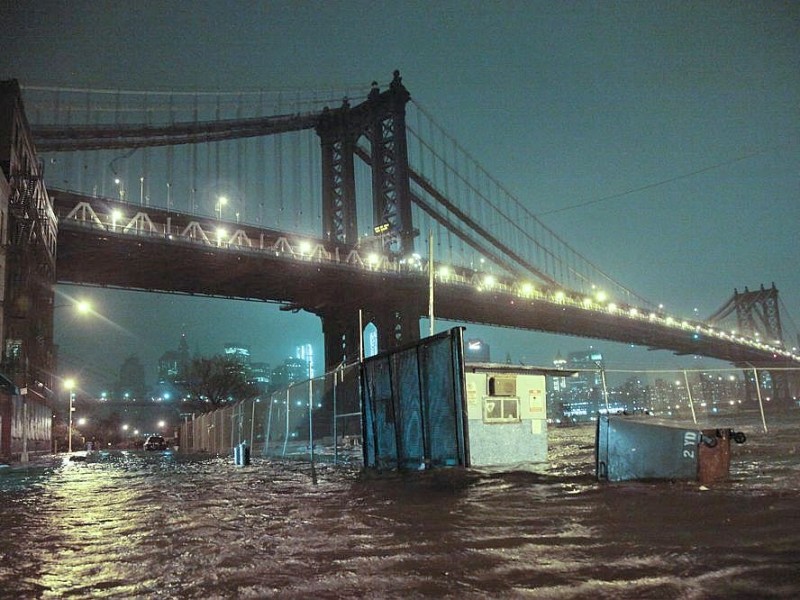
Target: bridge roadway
x: 105, y: 242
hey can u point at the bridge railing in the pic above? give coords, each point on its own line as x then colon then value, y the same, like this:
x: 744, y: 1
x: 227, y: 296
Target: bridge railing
x: 224, y: 236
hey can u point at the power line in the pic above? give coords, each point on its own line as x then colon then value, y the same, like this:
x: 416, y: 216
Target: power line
x: 659, y: 183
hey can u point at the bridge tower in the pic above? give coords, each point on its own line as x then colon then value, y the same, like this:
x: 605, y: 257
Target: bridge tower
x: 758, y: 313
x: 381, y: 121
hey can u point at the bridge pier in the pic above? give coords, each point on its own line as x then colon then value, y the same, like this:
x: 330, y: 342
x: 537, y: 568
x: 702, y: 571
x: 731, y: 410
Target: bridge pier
x: 397, y: 325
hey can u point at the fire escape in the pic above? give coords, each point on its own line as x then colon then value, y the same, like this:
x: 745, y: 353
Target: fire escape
x: 28, y: 355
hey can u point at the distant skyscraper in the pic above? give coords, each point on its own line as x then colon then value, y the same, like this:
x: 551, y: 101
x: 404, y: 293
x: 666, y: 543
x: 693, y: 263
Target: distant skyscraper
x: 584, y: 394
x: 173, y: 364
x: 239, y: 352
x: 292, y: 370
x: 131, y: 383
x: 306, y: 353
x: 260, y: 375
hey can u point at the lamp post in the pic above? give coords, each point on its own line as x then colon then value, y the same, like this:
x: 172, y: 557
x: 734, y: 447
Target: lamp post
x: 69, y: 384
x: 222, y: 202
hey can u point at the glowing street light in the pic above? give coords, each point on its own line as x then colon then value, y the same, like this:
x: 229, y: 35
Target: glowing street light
x: 116, y: 215
x: 83, y: 306
x: 221, y: 233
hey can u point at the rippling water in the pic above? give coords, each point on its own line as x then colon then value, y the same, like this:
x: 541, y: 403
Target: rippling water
x: 135, y: 525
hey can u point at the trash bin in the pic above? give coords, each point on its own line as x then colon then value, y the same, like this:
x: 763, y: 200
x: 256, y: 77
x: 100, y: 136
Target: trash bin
x: 630, y: 448
x: 241, y: 455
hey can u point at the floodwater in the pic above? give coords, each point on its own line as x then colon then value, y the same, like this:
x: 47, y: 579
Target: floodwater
x: 136, y: 525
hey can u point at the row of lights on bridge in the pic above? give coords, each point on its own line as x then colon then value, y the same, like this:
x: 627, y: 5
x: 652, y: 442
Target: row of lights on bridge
x: 525, y: 289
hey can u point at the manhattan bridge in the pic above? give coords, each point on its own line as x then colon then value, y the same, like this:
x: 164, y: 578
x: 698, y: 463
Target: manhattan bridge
x: 353, y: 205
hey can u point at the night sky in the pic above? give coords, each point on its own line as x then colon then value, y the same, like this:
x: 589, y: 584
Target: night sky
x: 662, y: 139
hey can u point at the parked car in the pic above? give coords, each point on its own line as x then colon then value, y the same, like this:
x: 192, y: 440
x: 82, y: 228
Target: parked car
x: 155, y: 442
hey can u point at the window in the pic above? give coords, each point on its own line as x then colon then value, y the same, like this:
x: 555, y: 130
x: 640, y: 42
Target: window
x: 501, y: 410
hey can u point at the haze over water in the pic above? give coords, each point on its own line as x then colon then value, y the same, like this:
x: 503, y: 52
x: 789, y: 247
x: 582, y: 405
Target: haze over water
x: 135, y: 525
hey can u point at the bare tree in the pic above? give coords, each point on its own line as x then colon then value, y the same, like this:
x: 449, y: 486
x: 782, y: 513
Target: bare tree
x: 217, y: 380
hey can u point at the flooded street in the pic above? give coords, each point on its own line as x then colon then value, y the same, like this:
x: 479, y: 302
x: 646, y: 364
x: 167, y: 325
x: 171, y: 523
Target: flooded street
x: 136, y: 525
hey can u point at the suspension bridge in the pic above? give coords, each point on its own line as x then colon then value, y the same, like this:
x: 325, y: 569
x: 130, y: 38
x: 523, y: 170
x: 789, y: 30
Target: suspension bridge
x: 352, y: 205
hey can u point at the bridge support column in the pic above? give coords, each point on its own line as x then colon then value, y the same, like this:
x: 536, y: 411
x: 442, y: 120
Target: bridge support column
x: 397, y: 325
x: 341, y: 337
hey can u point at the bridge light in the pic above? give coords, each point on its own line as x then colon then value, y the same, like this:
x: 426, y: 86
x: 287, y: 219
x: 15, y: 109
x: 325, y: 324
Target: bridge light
x: 587, y: 302
x: 116, y: 215
x: 489, y: 281
x: 612, y: 307
x: 527, y: 289
x: 670, y: 320
x: 221, y: 233
x: 305, y: 247
x: 653, y: 316
x: 560, y: 296
x: 633, y: 312
x: 444, y: 271
x: 601, y: 296
x: 373, y: 259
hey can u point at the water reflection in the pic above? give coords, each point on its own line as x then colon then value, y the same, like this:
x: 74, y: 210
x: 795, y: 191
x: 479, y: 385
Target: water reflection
x: 143, y: 525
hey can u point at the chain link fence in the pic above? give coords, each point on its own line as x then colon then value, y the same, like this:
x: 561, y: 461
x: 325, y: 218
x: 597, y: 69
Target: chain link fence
x: 315, y: 420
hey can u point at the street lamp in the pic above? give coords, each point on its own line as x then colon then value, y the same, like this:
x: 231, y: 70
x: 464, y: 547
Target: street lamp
x: 222, y: 202
x: 69, y: 384
x: 83, y: 307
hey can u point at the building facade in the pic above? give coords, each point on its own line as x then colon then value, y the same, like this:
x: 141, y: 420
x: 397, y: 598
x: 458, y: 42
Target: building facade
x: 28, y: 262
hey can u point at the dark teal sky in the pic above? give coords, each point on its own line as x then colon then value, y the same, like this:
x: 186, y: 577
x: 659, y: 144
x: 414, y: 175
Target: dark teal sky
x: 662, y: 139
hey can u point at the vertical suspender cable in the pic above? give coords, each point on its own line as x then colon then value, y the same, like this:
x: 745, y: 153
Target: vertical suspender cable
x: 279, y: 168
x: 193, y: 153
x: 170, y: 155
x: 240, y: 185
x: 297, y: 175
x: 260, y: 166
x: 144, y: 175
x: 217, y: 145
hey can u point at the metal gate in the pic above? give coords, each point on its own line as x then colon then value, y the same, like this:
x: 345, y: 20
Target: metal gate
x: 413, y: 405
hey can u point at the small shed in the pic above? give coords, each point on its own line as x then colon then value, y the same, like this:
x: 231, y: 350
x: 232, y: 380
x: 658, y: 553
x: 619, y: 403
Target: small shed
x: 506, y: 414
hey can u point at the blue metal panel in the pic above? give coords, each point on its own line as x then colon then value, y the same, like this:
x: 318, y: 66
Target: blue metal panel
x: 413, y: 405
